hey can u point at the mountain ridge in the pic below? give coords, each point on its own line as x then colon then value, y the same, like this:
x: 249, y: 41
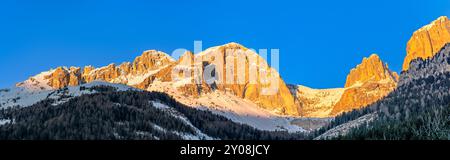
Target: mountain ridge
x: 427, y: 41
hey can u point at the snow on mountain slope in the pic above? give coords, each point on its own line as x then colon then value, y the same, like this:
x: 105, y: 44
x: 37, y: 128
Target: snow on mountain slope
x: 199, y: 135
x: 25, y: 96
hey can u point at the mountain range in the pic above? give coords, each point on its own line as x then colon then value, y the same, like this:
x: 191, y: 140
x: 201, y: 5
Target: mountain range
x: 234, y: 95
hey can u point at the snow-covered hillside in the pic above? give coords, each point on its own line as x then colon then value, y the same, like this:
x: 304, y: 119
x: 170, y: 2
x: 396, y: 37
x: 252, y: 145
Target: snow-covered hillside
x: 25, y: 96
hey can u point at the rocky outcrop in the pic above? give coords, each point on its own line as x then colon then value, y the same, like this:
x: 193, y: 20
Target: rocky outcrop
x: 370, y: 69
x: 316, y: 103
x: 369, y: 82
x: 107, y: 74
x: 429, y: 69
x: 247, y: 75
x: 427, y: 41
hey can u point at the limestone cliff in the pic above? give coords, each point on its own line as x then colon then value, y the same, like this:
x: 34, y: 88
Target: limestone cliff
x: 427, y: 41
x: 366, y: 83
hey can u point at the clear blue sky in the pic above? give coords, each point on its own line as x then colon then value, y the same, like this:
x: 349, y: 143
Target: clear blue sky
x: 319, y: 41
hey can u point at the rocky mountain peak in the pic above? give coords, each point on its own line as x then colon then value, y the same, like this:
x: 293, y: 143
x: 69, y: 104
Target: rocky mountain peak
x: 427, y: 41
x: 251, y: 76
x: 370, y: 69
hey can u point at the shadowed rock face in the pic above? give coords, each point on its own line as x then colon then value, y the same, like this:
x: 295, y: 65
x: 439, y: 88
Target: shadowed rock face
x: 427, y: 41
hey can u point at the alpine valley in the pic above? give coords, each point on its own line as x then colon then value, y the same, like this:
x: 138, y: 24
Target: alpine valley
x: 144, y: 99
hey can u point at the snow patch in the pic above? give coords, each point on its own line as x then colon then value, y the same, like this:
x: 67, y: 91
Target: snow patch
x: 320, y: 102
x: 24, y: 97
x: 4, y: 121
x: 199, y: 135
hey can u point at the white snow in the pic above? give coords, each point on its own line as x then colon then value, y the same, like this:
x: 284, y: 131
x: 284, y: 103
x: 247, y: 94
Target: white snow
x: 134, y: 80
x: 432, y: 24
x: 4, y: 121
x: 38, y: 82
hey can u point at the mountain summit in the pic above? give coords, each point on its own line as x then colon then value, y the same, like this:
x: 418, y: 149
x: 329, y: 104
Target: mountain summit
x: 427, y: 41
x: 236, y: 70
x: 370, y: 69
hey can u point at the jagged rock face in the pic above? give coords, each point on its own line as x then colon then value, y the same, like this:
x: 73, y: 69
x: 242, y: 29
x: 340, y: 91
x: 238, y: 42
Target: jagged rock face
x: 369, y: 82
x: 433, y: 67
x: 149, y: 61
x: 86, y: 71
x: 242, y: 72
x: 371, y: 69
x: 125, y: 68
x: 231, y: 68
x: 427, y: 41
